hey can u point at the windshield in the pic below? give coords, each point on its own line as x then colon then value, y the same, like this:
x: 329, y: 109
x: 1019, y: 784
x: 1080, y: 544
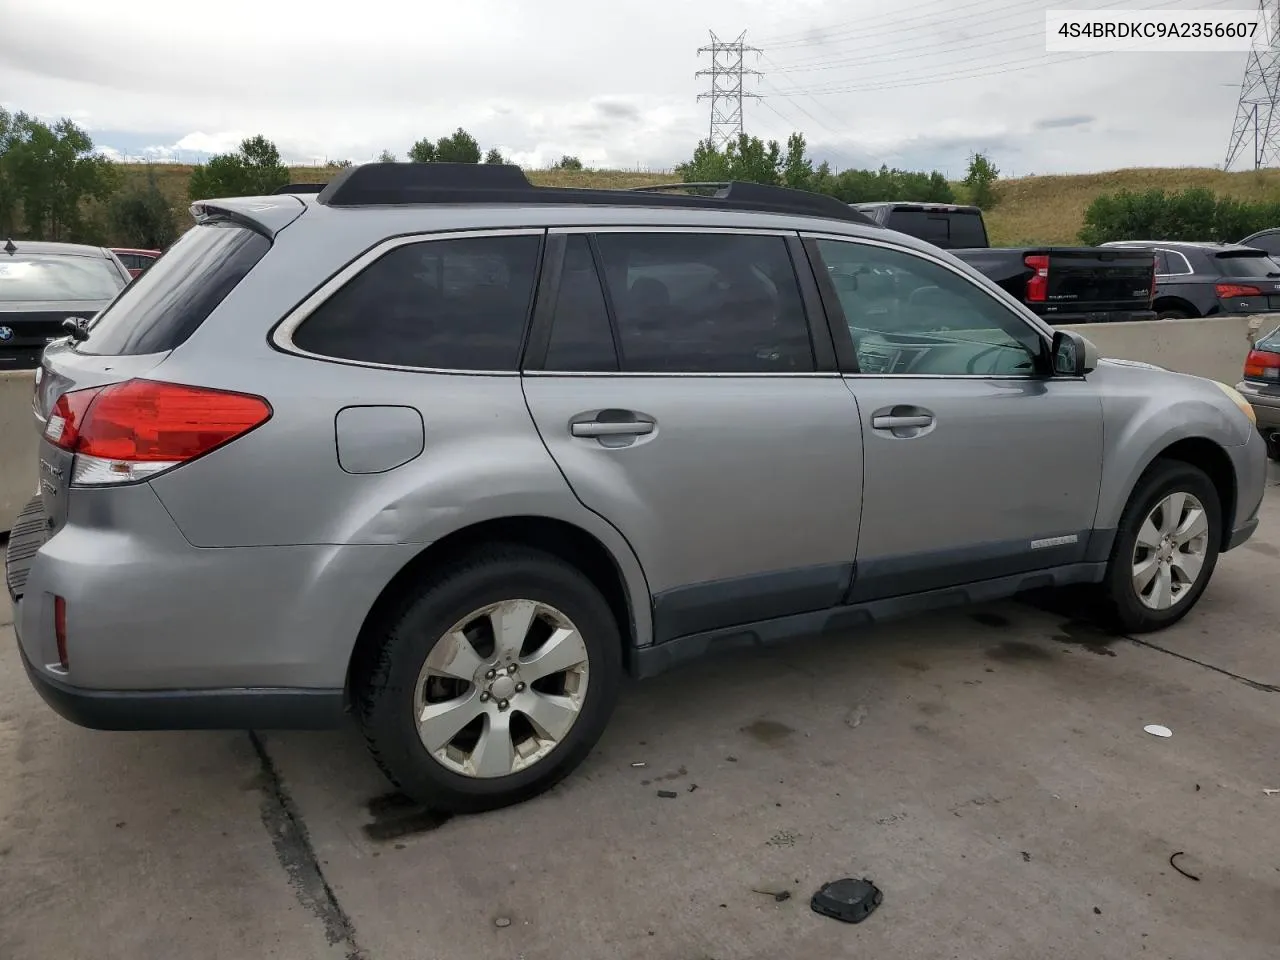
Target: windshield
x: 54, y: 277
x: 1248, y: 265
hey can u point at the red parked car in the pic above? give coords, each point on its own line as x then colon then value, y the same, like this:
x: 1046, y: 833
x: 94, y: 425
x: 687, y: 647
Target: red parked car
x: 135, y: 261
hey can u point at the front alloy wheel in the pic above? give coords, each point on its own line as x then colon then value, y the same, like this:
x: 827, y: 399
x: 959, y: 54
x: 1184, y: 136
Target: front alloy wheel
x: 1170, y: 552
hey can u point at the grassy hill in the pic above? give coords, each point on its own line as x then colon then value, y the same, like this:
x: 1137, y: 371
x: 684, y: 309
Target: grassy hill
x: 1032, y: 210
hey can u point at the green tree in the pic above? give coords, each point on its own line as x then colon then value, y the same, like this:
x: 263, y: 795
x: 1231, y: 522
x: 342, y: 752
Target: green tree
x: 140, y: 216
x: 493, y: 156
x: 253, y: 170
x: 797, y: 168
x: 979, y: 179
x: 568, y: 162
x: 424, y: 151
x: 11, y: 125
x: 747, y: 158
x: 461, y: 147
x: 386, y: 156
x: 51, y: 172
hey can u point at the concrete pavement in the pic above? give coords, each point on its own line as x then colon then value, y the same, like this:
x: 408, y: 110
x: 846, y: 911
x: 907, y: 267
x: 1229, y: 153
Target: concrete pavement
x: 987, y: 768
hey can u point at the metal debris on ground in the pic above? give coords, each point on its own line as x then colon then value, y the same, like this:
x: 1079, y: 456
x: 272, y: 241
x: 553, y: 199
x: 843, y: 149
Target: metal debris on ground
x: 502, y: 922
x: 667, y: 794
x: 779, y: 896
x: 1270, y: 791
x: 1189, y: 876
x: 1156, y: 730
x: 639, y: 763
x: 849, y: 900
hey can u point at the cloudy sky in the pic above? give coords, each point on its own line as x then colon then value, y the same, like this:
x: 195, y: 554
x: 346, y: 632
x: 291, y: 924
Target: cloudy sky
x: 915, y: 83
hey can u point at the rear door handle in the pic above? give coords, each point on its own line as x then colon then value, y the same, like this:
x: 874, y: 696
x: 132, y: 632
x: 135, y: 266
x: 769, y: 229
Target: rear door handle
x: 890, y: 422
x: 603, y: 428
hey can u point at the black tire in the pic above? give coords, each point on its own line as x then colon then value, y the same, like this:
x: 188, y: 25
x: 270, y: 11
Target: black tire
x: 385, y: 677
x: 1171, y: 314
x: 1123, y: 607
x: 1273, y: 446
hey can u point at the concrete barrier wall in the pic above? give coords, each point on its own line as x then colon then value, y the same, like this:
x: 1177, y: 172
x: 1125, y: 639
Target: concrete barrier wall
x: 1213, y: 348
x: 18, y: 440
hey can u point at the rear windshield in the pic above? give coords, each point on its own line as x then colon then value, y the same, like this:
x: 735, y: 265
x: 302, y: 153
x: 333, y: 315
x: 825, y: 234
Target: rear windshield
x: 58, y: 277
x: 950, y: 229
x: 165, y: 305
x: 1247, y: 265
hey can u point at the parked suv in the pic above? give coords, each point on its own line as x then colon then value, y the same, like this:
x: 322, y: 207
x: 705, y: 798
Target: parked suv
x: 453, y: 452
x: 1211, y: 279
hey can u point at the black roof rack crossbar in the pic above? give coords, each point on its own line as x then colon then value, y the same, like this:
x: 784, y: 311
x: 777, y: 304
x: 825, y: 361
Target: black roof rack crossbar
x: 397, y: 184
x: 300, y: 188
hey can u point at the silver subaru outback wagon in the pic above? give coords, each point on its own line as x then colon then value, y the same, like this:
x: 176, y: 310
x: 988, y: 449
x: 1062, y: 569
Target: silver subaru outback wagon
x: 449, y: 452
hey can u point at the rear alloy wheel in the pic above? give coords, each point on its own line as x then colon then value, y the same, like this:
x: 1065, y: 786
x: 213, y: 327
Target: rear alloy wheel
x: 494, y: 684
x: 1166, y: 547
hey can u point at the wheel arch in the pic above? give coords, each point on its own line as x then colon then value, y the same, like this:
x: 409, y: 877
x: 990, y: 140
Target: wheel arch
x: 1175, y: 303
x: 1213, y: 459
x: 630, y: 603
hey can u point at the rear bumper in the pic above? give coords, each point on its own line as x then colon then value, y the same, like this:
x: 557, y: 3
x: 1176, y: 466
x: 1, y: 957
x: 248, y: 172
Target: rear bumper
x: 237, y: 709
x: 1265, y: 402
x: 1099, y: 316
x: 164, y: 635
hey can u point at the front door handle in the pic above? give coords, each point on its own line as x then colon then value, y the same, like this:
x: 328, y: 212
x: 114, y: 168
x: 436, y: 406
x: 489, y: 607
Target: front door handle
x: 890, y: 422
x: 604, y: 428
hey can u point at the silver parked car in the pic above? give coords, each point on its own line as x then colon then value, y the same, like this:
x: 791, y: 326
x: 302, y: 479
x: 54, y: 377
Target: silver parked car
x: 450, y: 453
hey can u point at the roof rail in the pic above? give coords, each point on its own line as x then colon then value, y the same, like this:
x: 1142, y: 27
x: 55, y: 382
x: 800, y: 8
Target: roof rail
x: 397, y: 184
x: 299, y: 188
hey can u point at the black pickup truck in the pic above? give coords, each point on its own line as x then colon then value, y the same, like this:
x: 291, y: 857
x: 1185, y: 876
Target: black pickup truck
x: 1061, y: 284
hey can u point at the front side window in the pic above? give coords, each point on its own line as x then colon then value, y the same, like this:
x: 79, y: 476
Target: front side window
x: 909, y: 315
x: 705, y: 303
x: 458, y: 304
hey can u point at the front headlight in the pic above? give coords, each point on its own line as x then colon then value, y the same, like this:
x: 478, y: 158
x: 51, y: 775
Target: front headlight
x: 1238, y: 398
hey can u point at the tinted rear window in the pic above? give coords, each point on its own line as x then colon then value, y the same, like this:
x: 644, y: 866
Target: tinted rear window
x: 951, y: 229
x: 165, y: 305
x: 452, y: 304
x: 1256, y: 265
x: 967, y: 231
x: 58, y: 277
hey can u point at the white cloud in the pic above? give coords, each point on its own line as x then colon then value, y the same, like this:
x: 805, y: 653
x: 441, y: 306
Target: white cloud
x: 867, y: 81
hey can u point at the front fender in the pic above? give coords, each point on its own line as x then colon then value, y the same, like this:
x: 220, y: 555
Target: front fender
x: 1146, y: 411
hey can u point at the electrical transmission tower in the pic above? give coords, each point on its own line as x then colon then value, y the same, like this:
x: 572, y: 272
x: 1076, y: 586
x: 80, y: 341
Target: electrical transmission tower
x: 727, y: 70
x: 1257, y: 117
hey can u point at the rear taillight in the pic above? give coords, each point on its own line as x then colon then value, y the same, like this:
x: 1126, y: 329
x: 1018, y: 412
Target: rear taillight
x: 1038, y: 284
x: 1228, y: 290
x: 1262, y: 365
x: 1155, y: 268
x: 135, y: 429
x: 60, y: 630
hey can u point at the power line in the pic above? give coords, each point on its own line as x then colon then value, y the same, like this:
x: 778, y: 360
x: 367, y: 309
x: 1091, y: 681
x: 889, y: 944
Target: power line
x: 1257, y: 118
x: 728, y: 68
x: 859, y: 28
x: 945, y: 44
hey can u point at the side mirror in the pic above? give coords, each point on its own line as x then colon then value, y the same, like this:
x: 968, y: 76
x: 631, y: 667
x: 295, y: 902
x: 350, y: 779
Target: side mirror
x: 1073, y: 355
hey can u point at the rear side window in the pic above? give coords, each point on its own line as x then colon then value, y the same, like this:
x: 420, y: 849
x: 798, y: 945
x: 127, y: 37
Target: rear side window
x: 165, y: 305
x: 456, y: 304
x: 705, y: 303
x: 1162, y: 262
x: 1247, y: 266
